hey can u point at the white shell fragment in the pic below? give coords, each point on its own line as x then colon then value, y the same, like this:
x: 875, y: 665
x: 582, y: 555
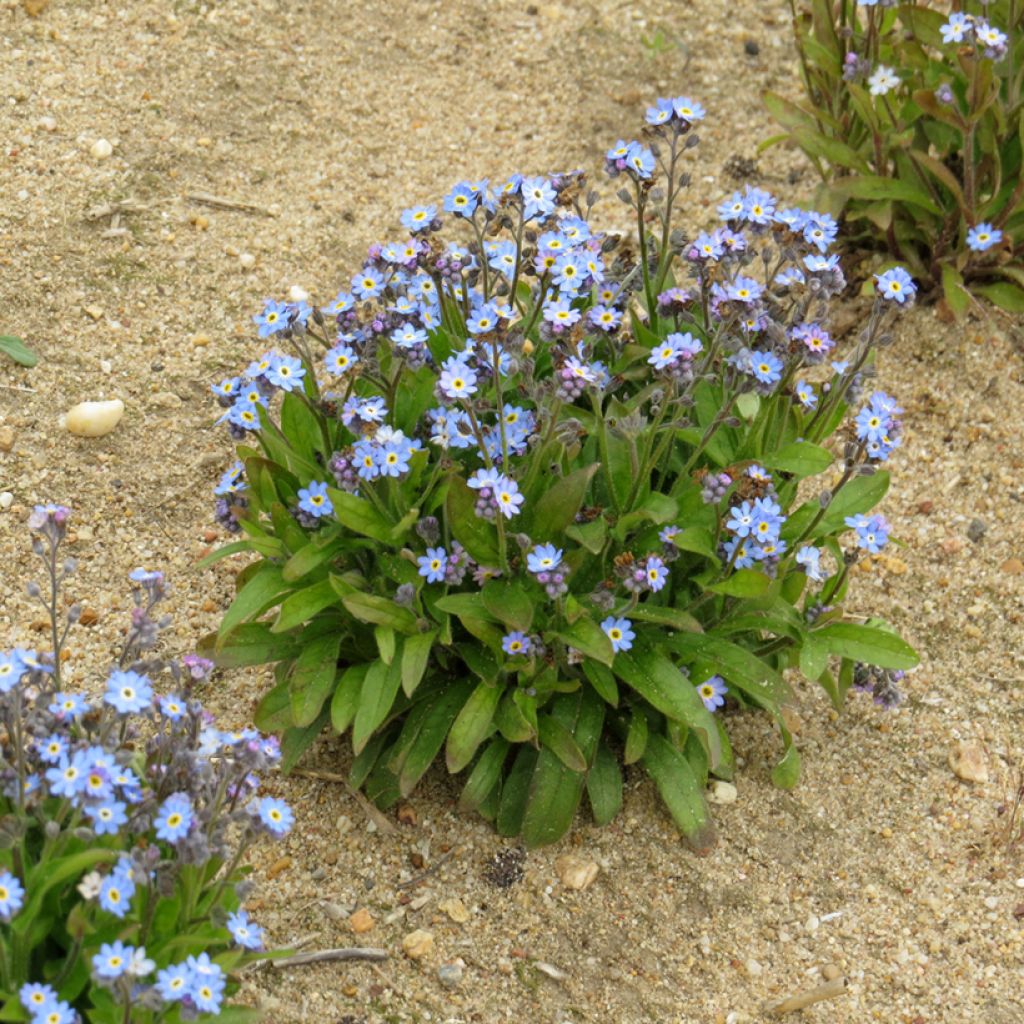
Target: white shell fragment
x: 94, y: 419
x: 101, y: 149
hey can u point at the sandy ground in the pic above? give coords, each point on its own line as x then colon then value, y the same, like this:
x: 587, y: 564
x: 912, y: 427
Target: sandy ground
x: 327, y: 119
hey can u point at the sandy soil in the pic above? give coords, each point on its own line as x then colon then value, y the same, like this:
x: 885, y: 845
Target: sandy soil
x: 328, y: 118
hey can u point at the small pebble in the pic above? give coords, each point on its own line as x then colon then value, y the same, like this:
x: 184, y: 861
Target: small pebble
x: 455, y: 909
x: 94, y: 419
x: 976, y: 530
x: 418, y: 944
x: 830, y: 972
x: 450, y: 974
x: 247, y: 260
x: 575, y: 872
x: 6, y: 439
x: 750, y: 48
x: 165, y: 400
x: 6, y: 500
x: 361, y: 921
x: 968, y: 761
x: 722, y: 792
x: 297, y: 294
x: 101, y: 149
x: 752, y: 967
x: 48, y: 124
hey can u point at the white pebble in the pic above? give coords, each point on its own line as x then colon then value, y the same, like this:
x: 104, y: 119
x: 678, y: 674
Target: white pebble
x: 94, y: 419
x: 48, y: 124
x: 101, y: 149
x: 6, y: 499
x: 991, y: 902
x: 106, y: 365
x: 721, y: 792
x: 812, y: 923
x: 297, y: 294
x: 247, y: 260
x: 1020, y: 883
x: 753, y: 968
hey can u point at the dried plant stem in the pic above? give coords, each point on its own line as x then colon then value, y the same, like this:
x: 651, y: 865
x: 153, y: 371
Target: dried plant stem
x: 326, y: 955
x: 829, y: 990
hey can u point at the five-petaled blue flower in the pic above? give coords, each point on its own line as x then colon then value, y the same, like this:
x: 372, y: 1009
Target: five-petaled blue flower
x: 174, y: 819
x: 620, y: 632
x: 276, y: 815
x: 12, y: 895
x: 128, y: 692
x: 983, y: 236
x: 543, y: 558
x: 516, y: 643
x: 712, y: 691
x: 433, y: 564
x: 313, y: 499
x: 245, y: 931
x: 895, y: 285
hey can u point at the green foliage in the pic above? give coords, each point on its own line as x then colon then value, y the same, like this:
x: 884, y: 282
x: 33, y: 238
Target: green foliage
x: 14, y: 348
x: 913, y: 167
x: 410, y: 610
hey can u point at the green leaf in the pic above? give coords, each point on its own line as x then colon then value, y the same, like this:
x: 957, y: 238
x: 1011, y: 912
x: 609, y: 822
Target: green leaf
x: 870, y: 186
x: 486, y: 774
x: 801, y: 458
x: 590, y: 535
x: 813, y: 657
x: 295, y: 742
x: 424, y: 734
x: 1003, y: 294
x: 476, y: 535
x: 739, y: 667
x: 868, y: 644
x: 360, y: 516
x: 384, y: 637
x: 380, y: 611
x: 512, y: 721
x: 508, y: 603
x: 786, y: 774
x: 674, y: 618
x: 680, y: 791
x: 861, y: 494
x: 558, y: 505
x: 415, y: 658
x: 653, y: 676
x: 300, y: 425
x: 262, y: 591
x: 743, y: 583
x: 559, y: 740
x: 312, y: 678
x: 636, y: 737
x: 311, y: 557
x: 604, y: 786
x: 515, y: 791
x: 376, y: 700
x: 588, y: 638
x: 345, y: 701
x: 45, y: 876
x: 274, y: 711
x: 602, y: 680
x: 472, y: 726
x: 17, y: 350
x: 698, y: 540
x: 249, y: 644
x: 302, y: 605
x: 241, y: 547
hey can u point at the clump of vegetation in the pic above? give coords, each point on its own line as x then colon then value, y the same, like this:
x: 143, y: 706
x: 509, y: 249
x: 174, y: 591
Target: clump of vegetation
x: 915, y: 121
x: 529, y: 494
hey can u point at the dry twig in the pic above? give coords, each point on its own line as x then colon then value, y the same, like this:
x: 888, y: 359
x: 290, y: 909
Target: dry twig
x: 223, y: 203
x: 829, y: 990
x: 326, y: 955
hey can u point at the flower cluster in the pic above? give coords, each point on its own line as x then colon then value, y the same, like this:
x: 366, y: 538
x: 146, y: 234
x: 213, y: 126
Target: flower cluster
x: 548, y: 466
x: 137, y: 802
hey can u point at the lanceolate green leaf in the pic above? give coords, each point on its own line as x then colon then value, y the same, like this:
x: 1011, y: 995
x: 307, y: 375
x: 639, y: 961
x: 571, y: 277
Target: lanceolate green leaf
x: 558, y: 505
x: 376, y: 699
x: 664, y: 687
x: 415, y: 658
x: 17, y: 350
x: 604, y: 786
x: 312, y: 678
x: 261, y: 592
x: 868, y: 644
x: 680, y: 791
x: 473, y: 725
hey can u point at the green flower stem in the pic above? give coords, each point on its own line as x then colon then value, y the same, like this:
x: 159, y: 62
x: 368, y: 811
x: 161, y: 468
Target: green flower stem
x: 602, y: 443
x: 540, y: 305
x: 647, y: 464
x: 641, y: 205
x: 549, y: 433
x: 833, y: 586
x: 665, y: 256
x: 847, y: 476
x: 478, y: 231
x: 519, y: 248
x: 713, y: 427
